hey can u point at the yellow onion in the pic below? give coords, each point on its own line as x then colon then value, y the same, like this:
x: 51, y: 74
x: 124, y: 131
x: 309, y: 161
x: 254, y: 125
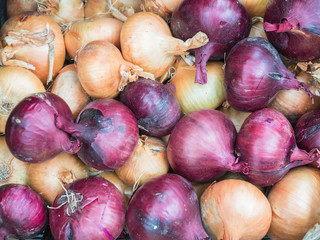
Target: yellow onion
x: 237, y: 117
x: 255, y: 8
x: 193, y: 96
x: 16, y: 83
x: 146, y: 41
x: 163, y: 8
x: 295, y: 203
x: 148, y: 160
x: 12, y: 170
x: 84, y: 31
x: 15, y: 7
x: 257, y: 29
x: 234, y: 210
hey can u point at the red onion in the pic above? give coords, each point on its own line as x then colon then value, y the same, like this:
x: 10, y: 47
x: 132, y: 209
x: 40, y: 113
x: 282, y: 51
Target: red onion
x: 292, y: 26
x: 254, y: 73
x: 201, y: 146
x: 224, y: 21
x: 22, y: 212
x: 108, y: 132
x: 153, y: 104
x: 31, y: 133
x: 89, y: 208
x: 165, y: 207
x: 266, y: 142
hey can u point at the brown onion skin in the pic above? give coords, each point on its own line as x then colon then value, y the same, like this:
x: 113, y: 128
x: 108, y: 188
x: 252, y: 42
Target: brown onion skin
x: 16, y: 7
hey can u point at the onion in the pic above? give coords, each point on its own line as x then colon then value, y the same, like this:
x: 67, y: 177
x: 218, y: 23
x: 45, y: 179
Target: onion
x: 295, y: 204
x: 146, y: 41
x: 16, y: 7
x: 235, y: 209
x: 257, y: 29
x: 201, y: 146
x: 16, y: 83
x: 163, y: 8
x: 165, y: 207
x: 35, y: 42
x: 104, y: 77
x: 224, y: 21
x: 266, y: 142
x: 46, y: 178
x: 89, y: 208
x: 153, y: 104
x: 148, y: 160
x: 82, y: 32
x: 193, y: 96
x: 292, y: 26
x: 237, y: 117
x: 67, y: 86
x: 31, y: 133
x: 12, y: 170
x: 22, y: 212
x: 254, y: 73
x: 255, y: 8
x: 108, y: 132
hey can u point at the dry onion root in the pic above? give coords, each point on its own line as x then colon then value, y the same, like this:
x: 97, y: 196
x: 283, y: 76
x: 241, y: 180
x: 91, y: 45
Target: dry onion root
x: 163, y: 8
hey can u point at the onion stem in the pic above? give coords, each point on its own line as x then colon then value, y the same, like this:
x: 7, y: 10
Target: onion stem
x: 285, y: 26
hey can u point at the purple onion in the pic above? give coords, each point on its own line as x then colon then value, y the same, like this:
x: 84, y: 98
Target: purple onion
x: 201, y: 146
x: 90, y: 208
x: 22, y: 212
x: 266, y: 142
x: 292, y: 26
x: 154, y: 105
x: 31, y: 133
x: 224, y: 21
x: 254, y: 73
x: 165, y: 207
x: 108, y: 132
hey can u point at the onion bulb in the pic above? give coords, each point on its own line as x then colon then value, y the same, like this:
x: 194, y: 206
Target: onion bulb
x: 235, y: 209
x: 255, y: 8
x: 48, y: 177
x: 257, y: 29
x: 67, y: 86
x: 146, y: 41
x: 237, y: 117
x: 295, y: 202
x: 16, y: 7
x: 12, y: 170
x: 163, y: 8
x: 35, y: 42
x: 16, y: 83
x: 84, y: 31
x: 193, y: 96
x: 148, y: 160
x: 102, y: 70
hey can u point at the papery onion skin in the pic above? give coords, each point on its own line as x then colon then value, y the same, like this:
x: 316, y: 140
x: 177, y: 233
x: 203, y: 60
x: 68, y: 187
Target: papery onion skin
x: 295, y: 204
x: 99, y: 212
x: 154, y: 105
x: 255, y: 8
x: 31, y: 133
x: 224, y: 21
x: 163, y: 8
x: 235, y: 209
x: 257, y: 29
x: 16, y: 7
x: 165, y: 207
x: 292, y: 26
x: 22, y: 212
x: 254, y: 73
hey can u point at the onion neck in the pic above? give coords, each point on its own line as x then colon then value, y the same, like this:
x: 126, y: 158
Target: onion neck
x: 300, y: 157
x: 293, y: 84
x: 236, y: 166
x: 202, y: 56
x: 74, y: 129
x: 285, y: 26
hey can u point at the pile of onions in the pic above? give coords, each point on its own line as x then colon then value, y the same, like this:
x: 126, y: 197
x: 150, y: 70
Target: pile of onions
x: 16, y: 7
x: 146, y: 41
x: 255, y: 8
x: 31, y: 133
x: 235, y: 209
x: 23, y: 214
x: 266, y: 142
x: 201, y: 146
x: 47, y: 178
x: 163, y: 8
x: 165, y: 207
x: 108, y: 132
x: 292, y: 26
x: 237, y: 117
x: 89, y: 208
x: 148, y: 160
x: 254, y: 73
x: 193, y: 96
x: 224, y: 21
x: 295, y: 202
x: 67, y: 86
x: 16, y: 83
x: 153, y: 104
x: 84, y: 31
x: 35, y: 42
x: 12, y: 170
x: 102, y: 70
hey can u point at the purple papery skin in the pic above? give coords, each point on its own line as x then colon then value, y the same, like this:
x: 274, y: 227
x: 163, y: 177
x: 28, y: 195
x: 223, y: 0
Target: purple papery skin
x: 302, y: 42
x: 164, y: 208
